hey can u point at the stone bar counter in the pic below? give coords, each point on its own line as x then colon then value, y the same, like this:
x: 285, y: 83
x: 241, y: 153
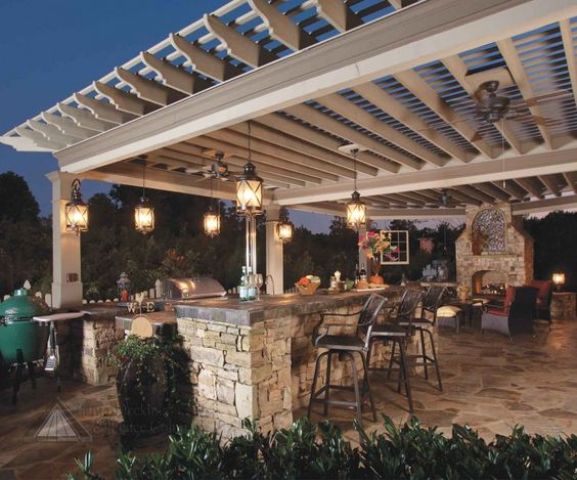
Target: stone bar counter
x: 256, y: 360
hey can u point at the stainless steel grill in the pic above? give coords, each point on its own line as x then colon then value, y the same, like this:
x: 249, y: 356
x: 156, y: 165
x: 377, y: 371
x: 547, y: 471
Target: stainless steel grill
x: 193, y: 288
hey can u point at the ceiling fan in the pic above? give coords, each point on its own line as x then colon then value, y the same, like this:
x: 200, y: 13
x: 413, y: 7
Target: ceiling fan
x: 217, y: 170
x: 493, y: 108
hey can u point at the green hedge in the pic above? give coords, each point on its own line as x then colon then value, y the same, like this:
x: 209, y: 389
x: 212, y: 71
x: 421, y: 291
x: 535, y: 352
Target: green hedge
x: 307, y: 451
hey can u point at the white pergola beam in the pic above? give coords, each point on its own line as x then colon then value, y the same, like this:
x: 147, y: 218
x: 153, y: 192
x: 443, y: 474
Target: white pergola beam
x: 125, y: 174
x: 557, y: 161
x: 413, y: 36
x: 513, y: 61
x: 297, y: 130
x: 174, y: 77
x: 420, y: 214
x: 149, y: 90
x: 305, y: 161
x: 456, y: 67
x: 546, y: 205
x: 236, y: 44
x: 84, y: 118
x: 124, y: 101
x: 204, y: 62
x: 413, y: 82
x: 67, y: 126
x: 390, y: 105
x: 280, y: 26
x: 103, y: 111
x: 329, y: 124
x: 281, y: 166
x: 299, y: 146
x: 356, y: 114
x: 338, y: 14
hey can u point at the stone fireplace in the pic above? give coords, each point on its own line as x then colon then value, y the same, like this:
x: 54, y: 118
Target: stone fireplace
x: 493, y: 251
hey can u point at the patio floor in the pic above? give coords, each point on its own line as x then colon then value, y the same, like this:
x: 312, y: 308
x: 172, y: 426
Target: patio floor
x: 490, y: 383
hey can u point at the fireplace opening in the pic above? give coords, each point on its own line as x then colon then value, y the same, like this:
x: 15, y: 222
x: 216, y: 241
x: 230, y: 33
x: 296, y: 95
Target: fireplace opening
x: 489, y: 282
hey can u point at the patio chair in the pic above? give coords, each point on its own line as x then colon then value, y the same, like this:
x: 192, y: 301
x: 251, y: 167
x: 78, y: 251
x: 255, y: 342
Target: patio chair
x: 398, y: 331
x: 544, y: 297
x: 432, y: 300
x: 518, y: 318
x: 344, y: 347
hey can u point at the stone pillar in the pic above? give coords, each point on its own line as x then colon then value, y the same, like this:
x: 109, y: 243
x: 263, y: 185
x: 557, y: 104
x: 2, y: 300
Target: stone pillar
x: 274, y: 252
x: 66, y: 271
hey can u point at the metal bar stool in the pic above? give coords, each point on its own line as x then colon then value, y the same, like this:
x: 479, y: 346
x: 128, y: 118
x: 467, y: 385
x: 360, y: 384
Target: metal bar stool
x: 344, y: 347
x: 430, y: 303
x: 399, y: 335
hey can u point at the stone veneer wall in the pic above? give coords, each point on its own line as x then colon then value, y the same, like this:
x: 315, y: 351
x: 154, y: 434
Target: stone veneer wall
x: 263, y: 372
x: 516, y: 261
x: 85, y: 345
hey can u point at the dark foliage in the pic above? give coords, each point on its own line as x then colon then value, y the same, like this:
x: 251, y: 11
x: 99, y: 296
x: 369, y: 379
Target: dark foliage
x: 555, y: 238
x: 307, y: 451
x: 25, y: 242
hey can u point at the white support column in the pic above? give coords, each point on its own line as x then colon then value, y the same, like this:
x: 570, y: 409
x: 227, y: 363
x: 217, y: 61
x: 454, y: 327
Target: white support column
x: 274, y: 252
x: 66, y: 270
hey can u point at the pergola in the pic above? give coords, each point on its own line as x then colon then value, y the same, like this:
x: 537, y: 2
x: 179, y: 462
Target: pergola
x: 397, y: 79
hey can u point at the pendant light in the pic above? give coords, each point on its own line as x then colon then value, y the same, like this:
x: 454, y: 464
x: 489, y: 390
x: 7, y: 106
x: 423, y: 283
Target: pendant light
x: 144, y: 212
x: 356, y: 209
x: 76, y: 211
x: 211, y: 219
x: 249, y: 187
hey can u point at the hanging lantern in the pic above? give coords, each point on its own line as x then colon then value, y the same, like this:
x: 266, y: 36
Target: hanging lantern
x: 76, y: 211
x: 249, y: 192
x: 144, y: 211
x: 144, y: 216
x: 211, y: 223
x: 284, y: 231
x: 356, y: 211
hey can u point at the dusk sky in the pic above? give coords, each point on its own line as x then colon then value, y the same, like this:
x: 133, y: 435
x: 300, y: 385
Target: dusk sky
x: 51, y: 49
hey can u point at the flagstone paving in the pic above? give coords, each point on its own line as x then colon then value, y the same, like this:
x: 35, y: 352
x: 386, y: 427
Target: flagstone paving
x: 490, y: 383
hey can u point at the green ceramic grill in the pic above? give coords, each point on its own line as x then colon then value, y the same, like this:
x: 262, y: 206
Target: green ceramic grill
x: 20, y: 337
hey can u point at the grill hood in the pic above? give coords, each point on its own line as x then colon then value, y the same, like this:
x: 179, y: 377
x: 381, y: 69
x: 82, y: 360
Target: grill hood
x: 193, y: 287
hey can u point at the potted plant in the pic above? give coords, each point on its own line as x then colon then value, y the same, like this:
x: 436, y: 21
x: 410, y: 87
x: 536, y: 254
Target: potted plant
x: 150, y: 371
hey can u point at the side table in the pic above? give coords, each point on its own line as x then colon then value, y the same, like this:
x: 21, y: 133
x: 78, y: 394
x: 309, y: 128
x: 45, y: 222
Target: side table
x: 564, y: 306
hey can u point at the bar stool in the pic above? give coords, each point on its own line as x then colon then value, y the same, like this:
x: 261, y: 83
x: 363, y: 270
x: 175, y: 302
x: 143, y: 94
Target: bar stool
x: 344, y: 347
x: 396, y: 332
x: 430, y: 303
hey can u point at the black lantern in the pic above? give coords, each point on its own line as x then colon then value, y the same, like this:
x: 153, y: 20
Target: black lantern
x: 284, y: 230
x: 211, y: 223
x: 356, y: 209
x: 249, y: 187
x: 144, y: 216
x: 76, y: 211
x: 144, y: 211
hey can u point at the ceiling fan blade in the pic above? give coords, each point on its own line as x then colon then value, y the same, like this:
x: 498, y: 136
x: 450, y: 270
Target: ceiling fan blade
x: 476, y: 137
x: 548, y: 97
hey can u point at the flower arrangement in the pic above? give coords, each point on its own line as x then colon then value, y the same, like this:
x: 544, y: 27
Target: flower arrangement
x: 376, y: 243
x: 308, y: 284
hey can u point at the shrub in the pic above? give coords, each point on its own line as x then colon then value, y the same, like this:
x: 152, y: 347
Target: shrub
x: 308, y: 451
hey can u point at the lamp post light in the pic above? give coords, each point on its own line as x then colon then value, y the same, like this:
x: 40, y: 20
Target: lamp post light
x: 559, y: 280
x: 76, y: 211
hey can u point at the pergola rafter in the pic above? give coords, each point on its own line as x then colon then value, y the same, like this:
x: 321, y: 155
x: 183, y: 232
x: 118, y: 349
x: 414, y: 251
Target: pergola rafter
x: 313, y: 76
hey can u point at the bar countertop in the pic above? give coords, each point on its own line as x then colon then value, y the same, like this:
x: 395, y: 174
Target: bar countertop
x: 232, y: 310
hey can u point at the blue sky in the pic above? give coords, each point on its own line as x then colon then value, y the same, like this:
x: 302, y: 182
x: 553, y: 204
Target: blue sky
x: 50, y: 49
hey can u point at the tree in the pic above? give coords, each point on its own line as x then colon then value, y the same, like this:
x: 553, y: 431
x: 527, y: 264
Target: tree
x: 16, y: 200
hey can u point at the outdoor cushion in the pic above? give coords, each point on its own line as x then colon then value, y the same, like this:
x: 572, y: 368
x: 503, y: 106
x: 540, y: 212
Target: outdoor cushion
x: 448, y: 311
x: 544, y: 288
x: 509, y: 296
